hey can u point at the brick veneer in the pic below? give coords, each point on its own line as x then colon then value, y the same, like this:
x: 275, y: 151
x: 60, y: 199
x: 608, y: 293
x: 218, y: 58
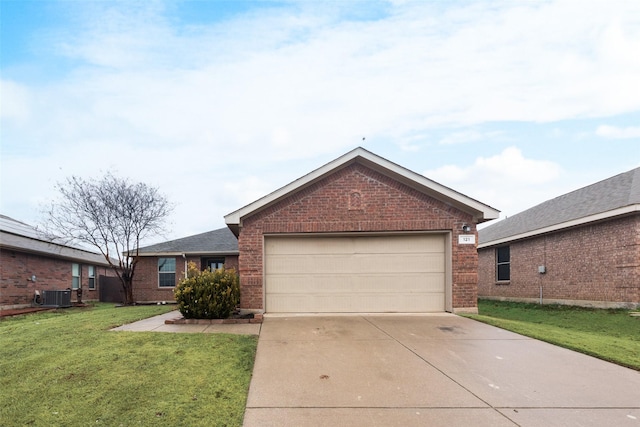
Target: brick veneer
x: 383, y: 205
x: 145, y: 279
x: 16, y: 268
x: 593, y: 265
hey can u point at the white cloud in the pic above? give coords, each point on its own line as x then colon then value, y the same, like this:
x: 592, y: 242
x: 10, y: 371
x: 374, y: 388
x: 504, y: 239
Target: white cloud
x: 470, y: 135
x: 16, y: 100
x: 614, y: 132
x: 254, y: 76
x: 461, y: 137
x: 507, y: 181
x: 248, y: 189
x: 509, y: 165
x: 203, y: 107
x: 512, y: 165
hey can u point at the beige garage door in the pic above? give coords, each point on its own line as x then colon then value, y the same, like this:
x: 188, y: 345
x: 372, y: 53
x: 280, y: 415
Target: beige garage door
x: 364, y: 274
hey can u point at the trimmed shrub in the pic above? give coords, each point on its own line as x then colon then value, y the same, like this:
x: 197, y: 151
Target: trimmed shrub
x: 208, y: 294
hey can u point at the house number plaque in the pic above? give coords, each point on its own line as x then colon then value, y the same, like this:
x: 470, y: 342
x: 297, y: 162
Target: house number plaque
x: 467, y: 239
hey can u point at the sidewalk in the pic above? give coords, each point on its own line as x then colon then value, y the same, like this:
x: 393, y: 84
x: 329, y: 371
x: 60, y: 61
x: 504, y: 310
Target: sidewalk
x: 157, y: 324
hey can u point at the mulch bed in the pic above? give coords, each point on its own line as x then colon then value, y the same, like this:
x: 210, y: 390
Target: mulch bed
x: 29, y: 310
x: 234, y: 320
x: 18, y: 311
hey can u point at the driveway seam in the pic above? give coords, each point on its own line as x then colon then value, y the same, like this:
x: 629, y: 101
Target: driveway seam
x: 438, y: 369
x: 378, y: 407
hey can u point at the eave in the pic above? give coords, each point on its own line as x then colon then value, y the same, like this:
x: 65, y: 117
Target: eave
x: 478, y: 210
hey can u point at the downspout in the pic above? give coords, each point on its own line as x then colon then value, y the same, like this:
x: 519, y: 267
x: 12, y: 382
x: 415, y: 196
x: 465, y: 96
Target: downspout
x: 184, y: 256
x: 543, y: 268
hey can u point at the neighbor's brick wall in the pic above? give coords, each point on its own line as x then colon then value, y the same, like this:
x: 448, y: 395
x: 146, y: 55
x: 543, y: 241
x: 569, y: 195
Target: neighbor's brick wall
x: 231, y: 261
x: 597, y: 262
x: 51, y: 274
x: 384, y: 205
x: 145, y: 279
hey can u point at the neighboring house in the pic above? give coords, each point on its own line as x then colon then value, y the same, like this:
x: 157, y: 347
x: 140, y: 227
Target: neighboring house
x: 29, y: 262
x: 582, y: 248
x: 359, y: 234
x: 161, y: 266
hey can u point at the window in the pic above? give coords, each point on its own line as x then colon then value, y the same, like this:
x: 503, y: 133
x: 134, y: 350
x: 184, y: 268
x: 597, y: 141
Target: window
x: 91, y: 274
x: 166, y: 272
x: 75, y: 276
x: 503, y: 264
x: 213, y: 263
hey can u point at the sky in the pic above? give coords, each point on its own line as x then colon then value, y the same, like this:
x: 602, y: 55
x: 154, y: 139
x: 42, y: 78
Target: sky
x: 218, y: 103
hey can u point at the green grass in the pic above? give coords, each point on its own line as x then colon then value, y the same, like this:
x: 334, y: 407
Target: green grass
x: 65, y: 368
x: 612, y: 335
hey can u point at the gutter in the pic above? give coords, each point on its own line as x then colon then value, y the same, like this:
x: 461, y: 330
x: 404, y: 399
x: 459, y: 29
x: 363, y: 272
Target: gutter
x: 179, y: 254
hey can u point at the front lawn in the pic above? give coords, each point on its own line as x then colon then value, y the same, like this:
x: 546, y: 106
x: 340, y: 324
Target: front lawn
x: 611, y: 335
x: 66, y: 368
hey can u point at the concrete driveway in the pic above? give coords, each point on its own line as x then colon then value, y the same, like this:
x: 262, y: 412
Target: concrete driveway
x: 428, y: 371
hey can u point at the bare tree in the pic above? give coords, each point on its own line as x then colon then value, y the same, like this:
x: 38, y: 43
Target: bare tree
x: 110, y: 214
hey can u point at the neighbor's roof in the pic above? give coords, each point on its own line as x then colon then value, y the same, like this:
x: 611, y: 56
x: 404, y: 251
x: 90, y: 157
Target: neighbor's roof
x: 18, y: 236
x: 615, y: 196
x: 480, y: 211
x: 216, y: 242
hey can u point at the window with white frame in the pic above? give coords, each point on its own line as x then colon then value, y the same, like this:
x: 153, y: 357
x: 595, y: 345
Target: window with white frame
x: 91, y: 275
x: 166, y: 272
x: 75, y: 276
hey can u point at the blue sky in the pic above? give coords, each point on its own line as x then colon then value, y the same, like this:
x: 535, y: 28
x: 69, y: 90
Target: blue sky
x: 219, y: 103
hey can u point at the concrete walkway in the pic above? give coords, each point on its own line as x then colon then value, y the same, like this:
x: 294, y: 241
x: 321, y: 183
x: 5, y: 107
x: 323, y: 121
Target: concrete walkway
x: 156, y: 324
x: 437, y: 370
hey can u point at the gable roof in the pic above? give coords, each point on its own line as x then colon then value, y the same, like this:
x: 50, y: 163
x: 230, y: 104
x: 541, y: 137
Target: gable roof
x: 480, y: 211
x: 217, y: 242
x: 18, y: 236
x: 612, y: 197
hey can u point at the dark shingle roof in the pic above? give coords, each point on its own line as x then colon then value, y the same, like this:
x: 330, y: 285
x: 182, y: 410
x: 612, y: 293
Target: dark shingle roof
x: 607, y: 196
x: 221, y: 241
x: 16, y: 235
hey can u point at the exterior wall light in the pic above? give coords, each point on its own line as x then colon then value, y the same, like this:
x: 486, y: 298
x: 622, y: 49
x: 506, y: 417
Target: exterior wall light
x: 466, y: 228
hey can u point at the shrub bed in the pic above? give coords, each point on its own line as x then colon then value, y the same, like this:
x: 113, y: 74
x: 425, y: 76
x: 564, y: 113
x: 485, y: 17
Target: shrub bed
x: 208, y: 294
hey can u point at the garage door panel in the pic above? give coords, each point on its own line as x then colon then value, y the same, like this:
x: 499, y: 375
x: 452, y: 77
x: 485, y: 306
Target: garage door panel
x: 321, y: 303
x: 328, y: 284
x: 400, y: 245
x: 303, y: 246
x: 391, y: 273
x: 351, y: 245
x: 384, y: 263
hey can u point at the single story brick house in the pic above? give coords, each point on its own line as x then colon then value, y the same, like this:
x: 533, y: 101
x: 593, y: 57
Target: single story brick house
x: 359, y: 234
x: 162, y: 265
x: 582, y: 248
x: 29, y: 263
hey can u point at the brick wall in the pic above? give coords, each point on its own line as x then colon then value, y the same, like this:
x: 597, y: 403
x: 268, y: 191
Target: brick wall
x: 380, y: 205
x: 16, y: 268
x: 597, y: 264
x: 145, y: 279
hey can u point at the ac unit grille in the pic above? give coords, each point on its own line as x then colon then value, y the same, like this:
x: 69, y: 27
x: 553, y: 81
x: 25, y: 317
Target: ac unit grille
x: 56, y: 298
